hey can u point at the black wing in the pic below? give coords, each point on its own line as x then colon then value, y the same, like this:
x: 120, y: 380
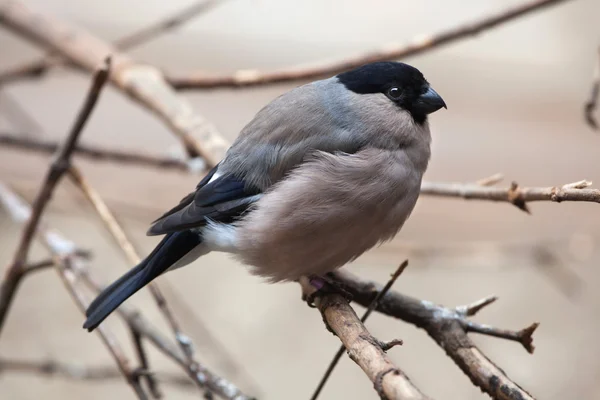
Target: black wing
x: 223, y: 200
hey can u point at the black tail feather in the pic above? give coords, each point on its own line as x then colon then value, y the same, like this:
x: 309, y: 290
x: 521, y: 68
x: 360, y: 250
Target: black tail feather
x: 172, y: 248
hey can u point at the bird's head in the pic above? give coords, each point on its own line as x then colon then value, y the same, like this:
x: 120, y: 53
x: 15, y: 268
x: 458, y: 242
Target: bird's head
x: 402, y: 84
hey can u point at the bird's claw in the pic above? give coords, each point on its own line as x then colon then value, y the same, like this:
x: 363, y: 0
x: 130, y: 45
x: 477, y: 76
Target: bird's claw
x: 325, y: 285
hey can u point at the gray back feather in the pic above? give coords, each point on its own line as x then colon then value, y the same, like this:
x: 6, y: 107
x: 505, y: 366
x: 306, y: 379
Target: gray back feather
x: 320, y: 116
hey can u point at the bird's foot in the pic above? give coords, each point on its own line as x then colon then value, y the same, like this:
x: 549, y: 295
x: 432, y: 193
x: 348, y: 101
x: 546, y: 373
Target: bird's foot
x: 325, y: 285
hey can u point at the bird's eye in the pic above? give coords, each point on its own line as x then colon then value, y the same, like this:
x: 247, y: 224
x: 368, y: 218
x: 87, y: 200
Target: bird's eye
x: 394, y: 93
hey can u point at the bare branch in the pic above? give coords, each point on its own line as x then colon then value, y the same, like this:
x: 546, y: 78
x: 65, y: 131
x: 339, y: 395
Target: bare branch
x: 45, y: 264
x: 516, y: 195
x: 591, y: 104
x: 54, y: 240
x: 65, y: 258
x: 31, y: 69
x: 363, y: 319
x: 54, y: 368
x: 143, y: 83
x: 364, y: 349
x: 94, y: 153
x: 133, y: 257
x: 448, y: 327
x: 37, y: 68
x: 63, y: 261
x: 144, y: 367
x: 576, y: 191
x: 17, y: 269
x: 202, y: 377
x: 165, y: 24
x: 65, y: 265
x: 418, y: 45
x: 39, y: 266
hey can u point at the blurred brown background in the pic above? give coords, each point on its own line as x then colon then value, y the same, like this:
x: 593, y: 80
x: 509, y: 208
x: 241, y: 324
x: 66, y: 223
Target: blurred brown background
x: 515, y: 96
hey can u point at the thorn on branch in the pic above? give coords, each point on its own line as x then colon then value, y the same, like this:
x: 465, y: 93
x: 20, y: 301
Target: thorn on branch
x: 490, y: 180
x: 385, y: 346
x: 516, y: 197
x: 469, y: 310
x: 448, y: 328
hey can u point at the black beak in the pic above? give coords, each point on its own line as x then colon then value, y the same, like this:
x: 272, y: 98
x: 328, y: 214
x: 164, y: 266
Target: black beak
x: 429, y: 102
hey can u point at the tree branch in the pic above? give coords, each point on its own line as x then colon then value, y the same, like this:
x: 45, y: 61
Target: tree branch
x: 144, y: 368
x: 65, y: 265
x: 16, y: 269
x: 448, y: 327
x: 94, y: 153
x: 165, y: 24
x: 39, y: 67
x: 418, y: 45
x: 364, y: 349
x: 516, y: 195
x: 54, y: 368
x: 142, y: 83
x: 481, y: 190
x: 202, y: 377
x: 363, y: 319
x: 134, y: 258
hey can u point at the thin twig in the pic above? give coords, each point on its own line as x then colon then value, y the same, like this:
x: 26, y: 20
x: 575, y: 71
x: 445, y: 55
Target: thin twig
x: 54, y: 368
x: 390, y: 51
x: 93, y: 153
x: 144, y: 364
x: 39, y: 266
x: 144, y: 84
x: 364, y: 349
x: 363, y: 319
x: 63, y: 261
x: 37, y: 68
x: 133, y: 257
x: 448, y: 327
x: 202, y: 377
x: 16, y: 270
x: 516, y: 195
x: 592, y: 103
x: 131, y: 254
x: 65, y: 258
x: 65, y: 266
x: 31, y: 69
x: 168, y: 23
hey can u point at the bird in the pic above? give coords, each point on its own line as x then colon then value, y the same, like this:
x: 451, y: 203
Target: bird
x: 320, y: 175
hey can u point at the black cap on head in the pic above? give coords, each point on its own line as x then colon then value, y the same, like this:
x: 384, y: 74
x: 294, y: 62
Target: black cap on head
x: 401, y: 83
